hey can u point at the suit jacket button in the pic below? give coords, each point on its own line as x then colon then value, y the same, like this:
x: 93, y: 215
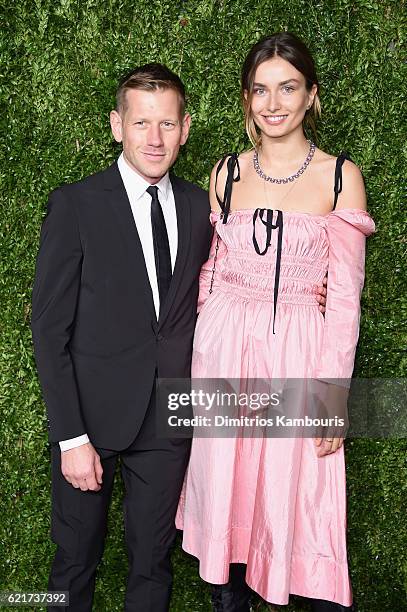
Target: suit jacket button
x: 160, y: 337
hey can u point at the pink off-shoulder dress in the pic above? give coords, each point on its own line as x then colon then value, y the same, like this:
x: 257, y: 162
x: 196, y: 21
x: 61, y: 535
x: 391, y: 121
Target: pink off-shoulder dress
x: 272, y: 503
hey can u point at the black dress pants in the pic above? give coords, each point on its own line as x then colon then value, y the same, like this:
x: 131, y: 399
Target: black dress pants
x: 153, y: 471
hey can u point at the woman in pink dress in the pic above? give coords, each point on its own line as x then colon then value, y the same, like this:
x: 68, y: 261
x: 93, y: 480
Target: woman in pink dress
x: 270, y: 513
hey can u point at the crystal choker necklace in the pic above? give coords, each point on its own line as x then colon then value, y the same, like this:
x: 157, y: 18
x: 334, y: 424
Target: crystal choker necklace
x: 289, y: 179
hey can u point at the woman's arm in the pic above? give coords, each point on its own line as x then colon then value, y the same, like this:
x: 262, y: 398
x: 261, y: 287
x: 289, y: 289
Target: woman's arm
x: 211, y: 268
x: 347, y: 228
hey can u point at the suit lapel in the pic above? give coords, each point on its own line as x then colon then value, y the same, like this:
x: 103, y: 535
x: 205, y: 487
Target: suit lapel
x: 119, y: 201
x: 183, y: 208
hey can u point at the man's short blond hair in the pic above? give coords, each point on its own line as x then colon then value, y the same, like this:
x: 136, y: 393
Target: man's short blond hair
x: 150, y: 77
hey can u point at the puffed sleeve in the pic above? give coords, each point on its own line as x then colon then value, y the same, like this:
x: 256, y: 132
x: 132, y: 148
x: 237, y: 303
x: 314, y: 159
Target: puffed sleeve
x: 205, y: 277
x: 347, y: 230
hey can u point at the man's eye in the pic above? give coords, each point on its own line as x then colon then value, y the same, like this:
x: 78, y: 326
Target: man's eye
x: 168, y: 124
x: 139, y: 123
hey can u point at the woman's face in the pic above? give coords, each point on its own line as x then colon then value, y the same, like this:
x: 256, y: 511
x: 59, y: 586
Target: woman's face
x: 280, y: 98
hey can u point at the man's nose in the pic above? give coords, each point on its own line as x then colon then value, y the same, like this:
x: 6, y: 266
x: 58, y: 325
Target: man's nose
x: 154, y: 137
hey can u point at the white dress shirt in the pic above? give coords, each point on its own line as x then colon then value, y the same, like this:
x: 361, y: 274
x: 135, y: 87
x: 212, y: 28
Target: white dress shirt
x: 140, y: 202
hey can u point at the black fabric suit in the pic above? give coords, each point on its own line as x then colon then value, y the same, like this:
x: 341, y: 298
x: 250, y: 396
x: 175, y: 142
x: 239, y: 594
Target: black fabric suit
x: 99, y: 347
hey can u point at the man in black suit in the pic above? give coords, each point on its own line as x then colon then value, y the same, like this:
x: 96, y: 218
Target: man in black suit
x: 114, y: 306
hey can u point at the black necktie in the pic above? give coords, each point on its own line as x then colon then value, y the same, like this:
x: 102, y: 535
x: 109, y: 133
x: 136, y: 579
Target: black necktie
x: 161, y: 245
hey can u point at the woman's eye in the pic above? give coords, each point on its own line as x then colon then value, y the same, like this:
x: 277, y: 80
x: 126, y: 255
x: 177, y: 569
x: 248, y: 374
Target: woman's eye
x: 259, y: 91
x: 288, y: 88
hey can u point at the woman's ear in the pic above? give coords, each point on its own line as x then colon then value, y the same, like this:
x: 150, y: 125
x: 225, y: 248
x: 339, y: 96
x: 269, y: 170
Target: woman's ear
x: 312, y: 94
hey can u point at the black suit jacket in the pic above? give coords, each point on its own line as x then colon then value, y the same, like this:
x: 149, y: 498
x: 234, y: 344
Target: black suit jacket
x: 98, y: 344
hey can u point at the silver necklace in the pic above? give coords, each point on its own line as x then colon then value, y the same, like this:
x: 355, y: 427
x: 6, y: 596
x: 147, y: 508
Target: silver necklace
x: 289, y: 179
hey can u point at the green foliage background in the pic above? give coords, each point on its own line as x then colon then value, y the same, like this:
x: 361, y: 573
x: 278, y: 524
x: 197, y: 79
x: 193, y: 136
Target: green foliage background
x: 59, y: 63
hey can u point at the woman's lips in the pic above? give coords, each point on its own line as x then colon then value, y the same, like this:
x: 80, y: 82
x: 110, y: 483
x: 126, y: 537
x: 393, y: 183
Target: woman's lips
x: 274, y: 119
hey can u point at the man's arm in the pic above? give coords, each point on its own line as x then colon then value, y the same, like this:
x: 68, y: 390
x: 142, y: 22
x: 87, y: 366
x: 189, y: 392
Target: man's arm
x: 65, y: 445
x: 55, y: 297
x: 321, y: 297
x: 54, y: 303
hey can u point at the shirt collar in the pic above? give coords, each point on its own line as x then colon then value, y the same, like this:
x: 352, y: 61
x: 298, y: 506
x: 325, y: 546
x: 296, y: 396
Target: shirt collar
x: 136, y: 185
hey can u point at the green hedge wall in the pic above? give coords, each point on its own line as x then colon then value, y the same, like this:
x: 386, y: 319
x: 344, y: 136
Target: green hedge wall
x: 59, y: 63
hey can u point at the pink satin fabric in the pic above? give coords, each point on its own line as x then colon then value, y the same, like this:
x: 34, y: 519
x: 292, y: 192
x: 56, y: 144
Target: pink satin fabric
x: 272, y: 503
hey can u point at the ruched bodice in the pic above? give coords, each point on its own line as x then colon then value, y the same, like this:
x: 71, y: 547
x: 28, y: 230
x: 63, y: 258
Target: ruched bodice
x: 304, y: 234
x: 303, y: 265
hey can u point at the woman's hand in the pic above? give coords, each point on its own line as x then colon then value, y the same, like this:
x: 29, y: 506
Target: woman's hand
x: 335, y: 407
x: 327, y: 446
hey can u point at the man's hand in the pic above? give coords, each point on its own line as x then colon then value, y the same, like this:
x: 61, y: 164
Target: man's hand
x: 321, y: 297
x: 82, y: 468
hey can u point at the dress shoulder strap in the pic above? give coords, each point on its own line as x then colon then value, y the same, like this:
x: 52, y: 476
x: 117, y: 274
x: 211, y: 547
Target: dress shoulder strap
x: 338, y: 175
x: 232, y: 164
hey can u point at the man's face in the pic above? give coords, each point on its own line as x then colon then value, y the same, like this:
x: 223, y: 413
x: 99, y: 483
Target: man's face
x: 151, y: 130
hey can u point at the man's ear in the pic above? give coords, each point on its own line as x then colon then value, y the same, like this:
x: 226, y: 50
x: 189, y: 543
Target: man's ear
x: 116, y: 125
x: 186, y: 124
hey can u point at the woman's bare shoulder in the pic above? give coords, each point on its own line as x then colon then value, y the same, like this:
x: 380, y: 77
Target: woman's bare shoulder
x: 219, y: 174
x: 323, y: 159
x: 352, y: 194
x: 217, y: 184
x: 246, y: 157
